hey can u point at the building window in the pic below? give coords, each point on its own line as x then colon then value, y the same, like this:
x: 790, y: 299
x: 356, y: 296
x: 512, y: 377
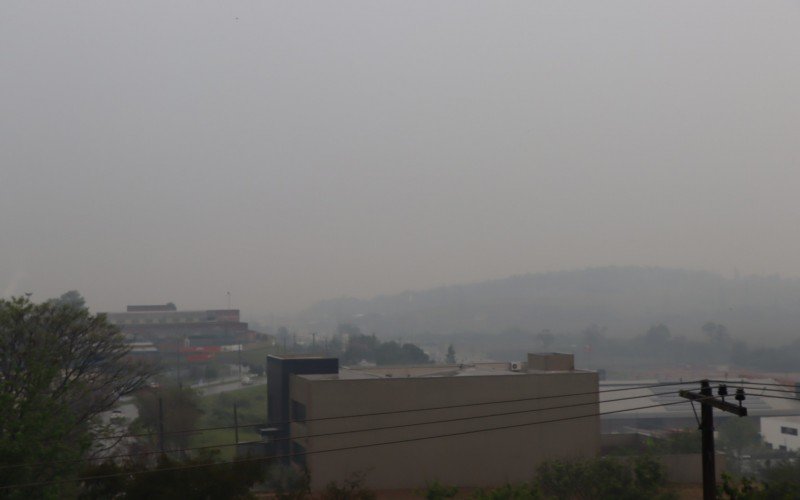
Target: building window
x: 298, y: 411
x: 298, y: 454
x: 782, y: 447
x: 792, y: 431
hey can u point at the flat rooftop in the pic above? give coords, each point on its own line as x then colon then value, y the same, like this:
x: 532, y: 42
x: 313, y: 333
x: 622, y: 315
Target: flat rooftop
x: 429, y: 371
x: 298, y: 356
x: 793, y: 419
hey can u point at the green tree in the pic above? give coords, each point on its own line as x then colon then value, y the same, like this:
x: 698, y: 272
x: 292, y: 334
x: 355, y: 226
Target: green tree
x: 781, y: 482
x: 738, y: 434
x: 71, y: 298
x: 676, y: 442
x: 414, y: 355
x: 657, y: 335
x: 451, y: 355
x: 522, y: 491
x: 388, y: 353
x: 360, y: 348
x: 288, y: 483
x: 181, y: 410
x: 716, y: 332
x: 603, y: 478
x: 368, y: 348
x: 195, y: 478
x: 438, y: 491
x: 593, y: 334
x: 352, y: 488
x: 60, y: 368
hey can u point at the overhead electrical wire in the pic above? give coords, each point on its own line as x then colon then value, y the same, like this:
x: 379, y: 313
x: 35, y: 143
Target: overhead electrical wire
x: 345, y: 448
x: 754, y: 386
x: 741, y: 381
x: 774, y: 397
x: 411, y: 410
x: 627, y: 387
x: 371, y: 429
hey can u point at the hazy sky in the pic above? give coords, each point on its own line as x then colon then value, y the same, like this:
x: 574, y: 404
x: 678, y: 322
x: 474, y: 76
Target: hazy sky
x: 294, y: 151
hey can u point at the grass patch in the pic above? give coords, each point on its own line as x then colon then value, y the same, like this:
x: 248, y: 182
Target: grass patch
x: 224, y: 438
x: 217, y: 409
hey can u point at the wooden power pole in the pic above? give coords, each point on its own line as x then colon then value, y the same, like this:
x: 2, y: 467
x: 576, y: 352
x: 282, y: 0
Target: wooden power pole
x: 708, y: 401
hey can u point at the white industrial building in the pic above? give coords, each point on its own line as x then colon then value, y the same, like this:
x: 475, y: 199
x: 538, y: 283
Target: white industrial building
x: 781, y: 433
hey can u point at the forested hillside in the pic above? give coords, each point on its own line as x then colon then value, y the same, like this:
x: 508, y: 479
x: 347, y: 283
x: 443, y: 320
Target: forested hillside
x: 625, y: 300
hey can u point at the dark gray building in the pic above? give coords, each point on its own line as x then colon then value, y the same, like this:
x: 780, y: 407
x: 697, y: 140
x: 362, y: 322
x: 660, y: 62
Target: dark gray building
x: 279, y: 405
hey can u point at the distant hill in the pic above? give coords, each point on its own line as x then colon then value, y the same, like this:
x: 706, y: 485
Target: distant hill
x: 627, y: 300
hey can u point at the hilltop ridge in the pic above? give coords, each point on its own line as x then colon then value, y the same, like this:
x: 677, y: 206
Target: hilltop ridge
x: 624, y: 299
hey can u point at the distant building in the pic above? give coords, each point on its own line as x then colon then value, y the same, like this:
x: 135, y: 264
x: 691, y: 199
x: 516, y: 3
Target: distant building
x: 153, y: 308
x: 398, y: 447
x: 781, y: 433
x: 167, y: 322
x: 198, y: 332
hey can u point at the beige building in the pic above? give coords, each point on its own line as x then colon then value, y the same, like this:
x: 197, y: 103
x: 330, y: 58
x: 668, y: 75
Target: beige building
x: 514, y: 429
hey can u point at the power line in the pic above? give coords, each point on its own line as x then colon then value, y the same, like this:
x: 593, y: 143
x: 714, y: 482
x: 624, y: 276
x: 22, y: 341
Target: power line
x: 754, y: 385
x: 395, y: 426
x: 345, y: 448
x: 411, y: 410
x: 737, y: 382
x: 424, y: 423
x: 773, y: 397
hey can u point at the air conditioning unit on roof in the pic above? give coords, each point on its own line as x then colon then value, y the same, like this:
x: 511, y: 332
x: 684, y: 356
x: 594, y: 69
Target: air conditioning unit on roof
x: 515, y: 366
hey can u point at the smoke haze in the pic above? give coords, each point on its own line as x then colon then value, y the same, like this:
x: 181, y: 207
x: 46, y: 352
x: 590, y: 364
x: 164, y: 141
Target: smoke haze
x: 289, y: 152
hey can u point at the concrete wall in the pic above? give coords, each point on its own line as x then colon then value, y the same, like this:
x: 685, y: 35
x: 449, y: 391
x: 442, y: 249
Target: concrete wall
x: 477, y: 459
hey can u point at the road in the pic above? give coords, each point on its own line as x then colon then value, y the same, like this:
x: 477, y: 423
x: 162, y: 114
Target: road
x: 127, y: 409
x: 207, y: 390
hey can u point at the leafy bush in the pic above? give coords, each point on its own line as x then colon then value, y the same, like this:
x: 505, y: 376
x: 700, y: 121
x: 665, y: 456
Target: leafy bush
x: 780, y: 482
x: 641, y: 477
x: 287, y: 483
x: 190, y: 478
x: 352, y: 488
x: 439, y: 491
x: 522, y: 491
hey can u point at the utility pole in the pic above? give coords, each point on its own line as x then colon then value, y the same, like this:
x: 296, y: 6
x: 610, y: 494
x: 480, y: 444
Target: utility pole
x: 240, y: 361
x: 707, y: 440
x: 160, y: 425
x: 236, y: 421
x: 178, y: 363
x: 706, y: 398
x: 313, y: 340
